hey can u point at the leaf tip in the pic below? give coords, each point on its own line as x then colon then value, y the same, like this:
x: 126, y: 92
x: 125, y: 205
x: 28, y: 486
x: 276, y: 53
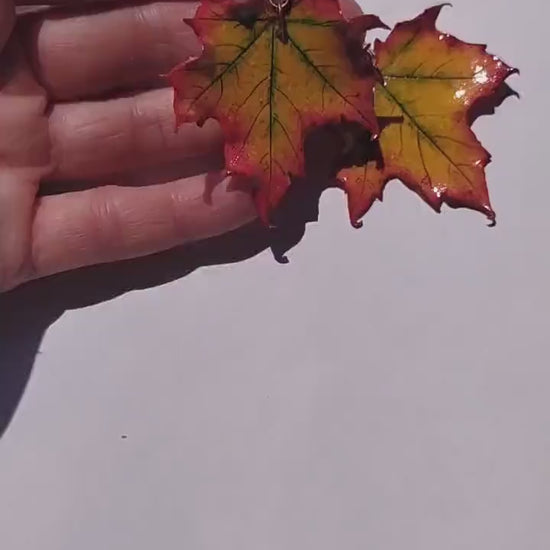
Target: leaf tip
x: 281, y: 258
x: 490, y: 214
x: 366, y: 22
x: 431, y: 15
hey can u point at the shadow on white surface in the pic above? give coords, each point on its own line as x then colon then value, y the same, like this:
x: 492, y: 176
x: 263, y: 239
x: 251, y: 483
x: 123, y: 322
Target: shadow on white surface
x: 28, y: 312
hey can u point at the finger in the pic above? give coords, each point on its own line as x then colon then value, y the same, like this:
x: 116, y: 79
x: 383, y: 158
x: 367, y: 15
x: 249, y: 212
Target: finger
x: 112, y: 223
x: 102, y: 138
x: 24, y: 158
x: 16, y: 207
x: 119, y: 48
x: 7, y: 21
x: 65, y: 2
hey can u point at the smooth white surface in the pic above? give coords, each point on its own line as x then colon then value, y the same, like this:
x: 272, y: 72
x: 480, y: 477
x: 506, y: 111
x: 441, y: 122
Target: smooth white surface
x: 387, y: 390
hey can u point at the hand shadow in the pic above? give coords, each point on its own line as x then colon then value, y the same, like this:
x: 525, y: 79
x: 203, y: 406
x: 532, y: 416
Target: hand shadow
x: 27, y: 312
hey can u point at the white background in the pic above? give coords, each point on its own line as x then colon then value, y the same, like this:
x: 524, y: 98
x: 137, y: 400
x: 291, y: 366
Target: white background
x: 386, y: 390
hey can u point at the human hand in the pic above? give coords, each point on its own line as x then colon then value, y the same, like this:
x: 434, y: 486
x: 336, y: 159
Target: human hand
x: 82, y: 105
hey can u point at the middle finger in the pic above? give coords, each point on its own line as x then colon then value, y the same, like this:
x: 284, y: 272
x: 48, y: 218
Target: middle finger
x: 77, y: 56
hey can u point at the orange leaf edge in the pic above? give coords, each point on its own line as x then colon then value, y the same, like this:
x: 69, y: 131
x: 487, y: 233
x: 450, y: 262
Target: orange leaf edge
x: 485, y: 103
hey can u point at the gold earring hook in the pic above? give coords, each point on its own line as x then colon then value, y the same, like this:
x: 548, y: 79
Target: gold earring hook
x: 279, y: 5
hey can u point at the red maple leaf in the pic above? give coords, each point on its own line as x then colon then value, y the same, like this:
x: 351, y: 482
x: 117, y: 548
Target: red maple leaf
x: 269, y: 76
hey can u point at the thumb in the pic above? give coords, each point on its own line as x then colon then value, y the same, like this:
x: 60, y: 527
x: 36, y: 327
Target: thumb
x: 7, y: 21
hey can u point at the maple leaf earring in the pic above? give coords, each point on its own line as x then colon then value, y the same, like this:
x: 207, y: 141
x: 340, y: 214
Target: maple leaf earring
x: 433, y: 83
x: 269, y: 78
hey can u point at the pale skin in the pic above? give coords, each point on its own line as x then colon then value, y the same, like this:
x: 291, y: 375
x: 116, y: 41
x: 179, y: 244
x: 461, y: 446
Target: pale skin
x: 83, y: 106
